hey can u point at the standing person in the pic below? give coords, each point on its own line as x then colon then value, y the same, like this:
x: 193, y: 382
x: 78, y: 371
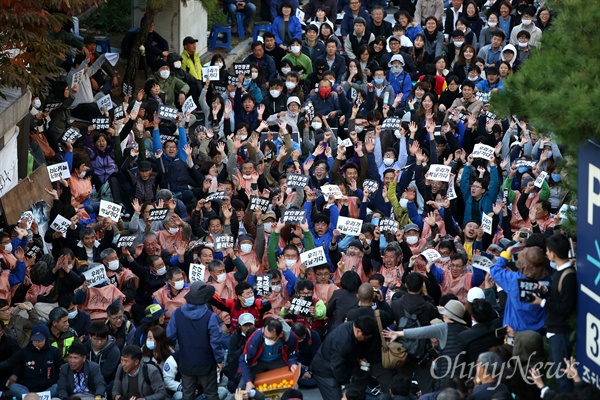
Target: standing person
x: 191, y: 59
x: 137, y: 380
x: 561, y: 305
x: 339, y: 355
x: 198, y: 332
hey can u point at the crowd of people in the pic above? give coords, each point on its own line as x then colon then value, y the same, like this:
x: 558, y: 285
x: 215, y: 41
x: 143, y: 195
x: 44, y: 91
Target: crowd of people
x: 326, y: 196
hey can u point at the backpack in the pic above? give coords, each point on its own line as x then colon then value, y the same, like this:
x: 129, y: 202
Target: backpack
x: 415, y: 348
x: 144, y: 373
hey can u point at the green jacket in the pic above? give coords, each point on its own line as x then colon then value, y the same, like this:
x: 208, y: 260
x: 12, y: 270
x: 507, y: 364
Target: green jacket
x: 309, y: 244
x: 192, y: 64
x: 302, y: 61
x: 401, y: 213
x: 172, y: 87
x: 544, y: 191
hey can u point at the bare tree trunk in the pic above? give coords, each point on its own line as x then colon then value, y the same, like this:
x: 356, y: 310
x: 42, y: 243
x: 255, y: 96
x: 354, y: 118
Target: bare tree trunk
x: 134, y: 55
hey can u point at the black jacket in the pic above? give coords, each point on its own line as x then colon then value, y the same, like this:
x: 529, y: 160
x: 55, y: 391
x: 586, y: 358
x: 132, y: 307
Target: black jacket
x: 415, y: 304
x: 340, y: 303
x: 108, y: 358
x: 561, y: 305
x: 480, y: 338
x: 37, y: 369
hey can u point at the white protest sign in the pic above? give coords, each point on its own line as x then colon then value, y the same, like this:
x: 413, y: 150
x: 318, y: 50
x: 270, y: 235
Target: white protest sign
x: 431, y: 255
x: 300, y: 14
x: 451, y: 193
x: 262, y: 285
x: 127, y: 89
x: 439, y: 172
x: 110, y: 210
x: 28, y: 216
x: 349, y: 226
x: 189, y: 106
x: 59, y: 171
x: 481, y: 262
x: 540, y: 179
x: 77, y: 77
x: 486, y: 223
x: 197, y: 272
x: 346, y: 143
x: 126, y: 241
x: 60, y: 224
x: 313, y: 257
x: 43, y: 396
x: 211, y: 72
x: 95, y: 275
x: 223, y: 242
x: 101, y: 122
x: 483, y: 151
x: 105, y: 101
x: 329, y: 190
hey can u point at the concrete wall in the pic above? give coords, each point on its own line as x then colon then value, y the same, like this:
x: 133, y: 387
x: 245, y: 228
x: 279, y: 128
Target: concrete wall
x: 178, y: 19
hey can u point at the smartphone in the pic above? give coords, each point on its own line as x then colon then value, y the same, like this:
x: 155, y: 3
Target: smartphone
x: 501, y: 332
x: 505, y: 196
x: 524, y: 235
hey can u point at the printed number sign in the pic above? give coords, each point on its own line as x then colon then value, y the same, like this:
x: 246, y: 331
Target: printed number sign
x: 59, y: 171
x: 158, y: 214
x: 127, y: 89
x: 189, y: 106
x: 51, y: 107
x: 259, y: 203
x: 346, y: 143
x: 101, y: 123
x: 216, y: 196
x: 293, y: 216
x: 262, y: 285
x: 298, y: 181
x: 529, y: 287
x: 197, y: 272
x: 241, y: 68
x: 482, y: 263
x: 370, y: 185
x: 438, y: 172
x: 486, y: 223
x: 60, y: 224
x: 313, y: 257
x: 96, y: 275
x: 43, y: 396
x: 523, y: 162
x: 431, y: 255
x: 540, y: 179
x: 349, y: 226
x: 167, y: 112
x: 388, y: 225
x: 451, y: 193
x: 125, y: 241
x: 391, y: 123
x: 77, y: 77
x: 300, y: 305
x: 105, y: 101
x: 33, y: 251
x: 212, y: 72
x: 71, y: 135
x: 110, y: 210
x: 331, y: 190
x: 483, y: 151
x: 223, y: 242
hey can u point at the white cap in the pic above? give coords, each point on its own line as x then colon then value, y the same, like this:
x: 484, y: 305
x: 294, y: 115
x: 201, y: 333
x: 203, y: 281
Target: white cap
x: 396, y: 57
x: 474, y: 294
x: 246, y: 318
x: 292, y: 99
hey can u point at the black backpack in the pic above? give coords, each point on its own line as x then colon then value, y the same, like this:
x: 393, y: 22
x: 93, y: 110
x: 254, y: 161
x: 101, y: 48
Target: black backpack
x: 144, y: 373
x: 415, y: 348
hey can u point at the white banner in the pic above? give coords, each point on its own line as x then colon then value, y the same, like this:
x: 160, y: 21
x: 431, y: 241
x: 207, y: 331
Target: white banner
x: 349, y: 226
x: 438, y: 172
x: 9, y: 176
x: 481, y: 262
x: 197, y: 272
x: 313, y: 257
x: 58, y: 171
x: 96, y: 275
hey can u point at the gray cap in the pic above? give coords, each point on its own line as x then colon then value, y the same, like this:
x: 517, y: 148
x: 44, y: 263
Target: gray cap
x: 411, y: 227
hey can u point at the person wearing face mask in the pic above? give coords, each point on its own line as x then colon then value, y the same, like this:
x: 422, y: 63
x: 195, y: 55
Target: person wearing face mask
x: 526, y: 25
x: 79, y: 320
x: 325, y: 101
x: 275, y: 100
x: 379, y: 88
x: 156, y: 348
x: 398, y: 78
x: 243, y: 302
x: 453, y: 48
x: 524, y: 200
x: 171, y: 296
x: 299, y: 61
x: 224, y: 282
x: 36, y: 367
x: 237, y: 343
x: 247, y: 252
x: 523, y: 46
x: 122, y: 278
x: 174, y: 88
x: 267, y: 349
x: 176, y: 66
x: 174, y: 231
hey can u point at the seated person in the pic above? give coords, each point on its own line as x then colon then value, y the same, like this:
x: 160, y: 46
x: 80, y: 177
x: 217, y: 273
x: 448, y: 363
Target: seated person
x: 79, y: 320
x: 150, y: 385
x: 80, y: 377
x: 119, y: 327
x: 102, y: 349
x: 171, y: 296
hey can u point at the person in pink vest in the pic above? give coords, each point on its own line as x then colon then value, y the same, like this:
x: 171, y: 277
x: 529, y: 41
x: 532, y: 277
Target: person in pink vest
x: 172, y: 295
x: 457, y: 279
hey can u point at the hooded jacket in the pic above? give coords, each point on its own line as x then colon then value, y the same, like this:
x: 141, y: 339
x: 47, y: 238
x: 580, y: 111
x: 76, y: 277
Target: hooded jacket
x: 108, y: 358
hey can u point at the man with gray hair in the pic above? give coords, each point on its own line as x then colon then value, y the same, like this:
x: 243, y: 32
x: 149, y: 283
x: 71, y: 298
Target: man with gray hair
x: 172, y: 203
x: 489, y: 371
x: 123, y: 278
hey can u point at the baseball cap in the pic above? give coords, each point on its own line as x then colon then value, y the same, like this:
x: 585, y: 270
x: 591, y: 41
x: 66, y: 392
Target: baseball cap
x: 246, y: 318
x: 189, y: 40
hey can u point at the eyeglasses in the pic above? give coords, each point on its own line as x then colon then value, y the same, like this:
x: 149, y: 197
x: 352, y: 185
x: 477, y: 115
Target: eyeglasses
x: 115, y: 317
x: 305, y: 293
x: 477, y: 187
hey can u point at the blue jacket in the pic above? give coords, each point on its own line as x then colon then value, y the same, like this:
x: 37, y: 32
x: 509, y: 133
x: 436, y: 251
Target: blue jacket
x: 254, y: 348
x: 348, y: 21
x: 485, y: 86
x: 521, y: 316
x: 338, y: 67
x: 327, y: 105
x: 266, y: 64
x: 294, y: 27
x: 487, y: 200
x: 276, y: 5
x: 325, y: 240
x: 401, y: 84
x: 240, y: 114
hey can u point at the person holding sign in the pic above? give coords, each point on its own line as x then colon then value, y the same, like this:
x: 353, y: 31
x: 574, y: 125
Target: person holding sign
x: 317, y: 311
x: 525, y: 201
x: 12, y: 258
x: 478, y: 196
x: 171, y: 296
x: 175, y: 231
x: 84, y: 106
x: 243, y: 302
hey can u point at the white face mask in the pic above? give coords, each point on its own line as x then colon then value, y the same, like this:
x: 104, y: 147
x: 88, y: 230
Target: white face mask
x: 177, y: 64
x: 396, y: 69
x: 332, y: 82
x: 161, y: 271
x: 37, y: 103
x: 268, y: 226
x: 492, y: 24
x: 412, y: 239
x: 296, y: 49
x: 285, y: 70
x: 290, y: 85
x: 249, y: 302
x: 247, y: 176
x: 316, y: 125
x: 8, y: 248
x: 70, y: 266
x: 526, y: 22
x: 219, y: 64
x: 274, y: 93
x: 221, y: 277
x: 113, y: 265
x: 403, y: 203
x: 369, y: 241
x: 82, y: 175
x: 359, y: 128
x: 269, y: 342
x: 254, y: 75
x: 290, y: 263
x: 523, y: 45
x: 232, y: 94
x: 458, y: 44
x: 178, y: 285
x: 246, y: 248
x: 473, y: 78
x: 165, y: 73
x: 388, y: 161
x: 445, y: 259
x: 397, y: 134
x: 276, y: 288
x: 173, y: 231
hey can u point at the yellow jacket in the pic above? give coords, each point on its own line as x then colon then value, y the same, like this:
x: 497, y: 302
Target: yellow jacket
x: 191, y: 64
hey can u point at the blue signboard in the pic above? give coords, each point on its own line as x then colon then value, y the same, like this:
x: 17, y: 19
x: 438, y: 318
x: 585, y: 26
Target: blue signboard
x: 588, y: 262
